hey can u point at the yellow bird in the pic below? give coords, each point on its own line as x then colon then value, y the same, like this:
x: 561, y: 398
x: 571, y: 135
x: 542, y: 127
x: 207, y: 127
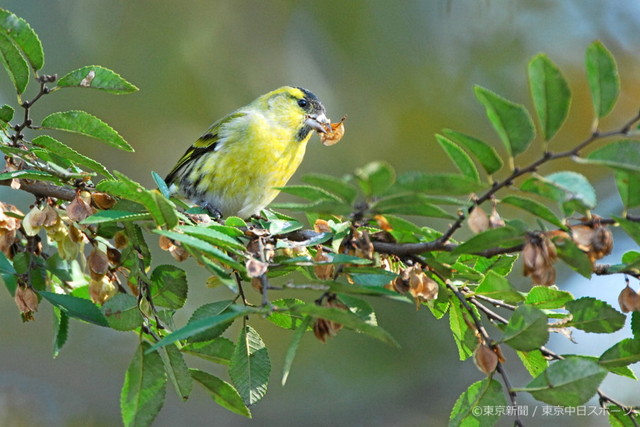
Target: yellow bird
x: 232, y: 169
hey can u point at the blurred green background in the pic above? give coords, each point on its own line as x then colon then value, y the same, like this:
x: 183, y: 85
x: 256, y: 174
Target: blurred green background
x: 401, y: 71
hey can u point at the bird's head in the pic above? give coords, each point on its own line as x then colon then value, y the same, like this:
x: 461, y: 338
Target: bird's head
x: 297, y: 108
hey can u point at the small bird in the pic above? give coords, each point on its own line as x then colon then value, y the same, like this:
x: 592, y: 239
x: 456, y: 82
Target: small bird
x: 234, y: 167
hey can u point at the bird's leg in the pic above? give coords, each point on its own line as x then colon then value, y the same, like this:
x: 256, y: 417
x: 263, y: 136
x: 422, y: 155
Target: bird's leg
x: 214, y: 212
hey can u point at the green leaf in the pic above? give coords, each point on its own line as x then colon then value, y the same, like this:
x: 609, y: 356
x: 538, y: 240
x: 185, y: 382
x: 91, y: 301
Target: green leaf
x: 629, y: 188
x: 550, y: 93
x: 482, y: 394
x: 502, y: 237
x: 527, y: 329
x: 622, y: 353
x: 511, y: 121
x: 69, y: 153
x: 60, y: 330
x: 207, y: 311
x: 97, y: 77
x: 85, y: 124
x: 6, y: 113
x: 333, y: 185
x: 114, y: 216
x: 632, y: 228
x: 575, y: 258
x: 202, y: 325
x: 534, y: 208
x: 533, y: 361
x: 592, y: 315
x: 23, y: 36
x: 345, y: 318
x: 28, y: 174
x: 218, y: 350
x: 409, y: 204
x: 446, y: 184
x: 201, y: 245
x: 498, y: 287
x: 250, y: 366
x: 169, y: 286
x: 177, y: 371
x: 602, y: 75
x: 319, y: 206
x: 463, y: 335
x: 620, y: 417
x: 546, y: 297
x: 76, y: 307
x: 310, y: 192
x: 485, y: 153
x: 284, y: 319
x: 293, y: 348
x: 14, y: 63
x: 635, y: 324
x: 212, y: 236
x: 375, y: 178
x: 569, y: 382
x: 500, y: 264
x: 122, y: 312
x: 459, y: 158
x: 222, y: 392
x: 622, y: 155
x: 623, y: 371
x: 572, y: 190
x: 6, y: 267
x: 143, y: 391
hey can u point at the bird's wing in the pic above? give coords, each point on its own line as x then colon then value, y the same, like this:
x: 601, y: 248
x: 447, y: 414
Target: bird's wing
x: 209, y: 141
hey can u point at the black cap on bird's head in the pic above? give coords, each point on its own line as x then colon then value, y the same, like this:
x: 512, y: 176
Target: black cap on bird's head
x: 316, y: 118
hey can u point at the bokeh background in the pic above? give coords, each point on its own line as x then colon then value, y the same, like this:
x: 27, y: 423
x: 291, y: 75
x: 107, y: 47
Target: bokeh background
x: 401, y: 71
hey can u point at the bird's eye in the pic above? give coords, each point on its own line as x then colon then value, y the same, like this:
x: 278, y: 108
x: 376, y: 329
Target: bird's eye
x: 303, y: 102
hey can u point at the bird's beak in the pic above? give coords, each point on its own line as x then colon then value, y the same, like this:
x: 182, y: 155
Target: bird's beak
x: 318, y: 122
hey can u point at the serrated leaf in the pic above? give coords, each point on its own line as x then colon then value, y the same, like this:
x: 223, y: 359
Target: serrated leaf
x: 60, y: 330
x: 114, y: 216
x: 635, y: 324
x: 29, y: 174
x: 463, y: 335
x: 310, y: 192
x: 143, y: 391
x: 218, y: 350
x: 622, y: 353
x: 79, y: 308
x: 293, y: 347
x: 14, y: 63
x: 500, y: 264
x: 345, y: 318
x: 632, y: 228
x: 482, y: 394
x: 23, y: 36
x: 250, y: 366
x: 409, y: 204
x: 459, y: 158
x: 222, y: 392
x: 572, y: 190
x: 527, y: 329
x: 534, y: 208
x: 201, y: 245
x: 212, y: 236
x: 375, y: 178
x: 6, y: 113
x: 69, y: 153
x: 97, y: 77
x: 498, y: 287
x: 485, y: 153
x: 511, y: 121
x: 177, y: 371
x: 533, y: 361
x: 319, y: 206
x: 629, y: 188
x: 169, y: 286
x: 622, y: 155
x: 284, y: 319
x: 569, y: 382
x: 122, y: 312
x: 603, y: 79
x: 623, y: 371
x: 575, y: 258
x: 334, y: 185
x: 545, y: 297
x: 503, y: 237
x: 81, y: 122
x: 445, y: 184
x: 550, y: 93
x: 593, y: 315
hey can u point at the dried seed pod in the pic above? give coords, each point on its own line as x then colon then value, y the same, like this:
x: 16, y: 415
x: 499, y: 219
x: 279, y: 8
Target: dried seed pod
x: 334, y: 133
x: 485, y: 358
x: 364, y: 247
x: 27, y: 301
x: 538, y: 256
x: 98, y: 262
x: 102, y: 200
x: 102, y: 290
x: 321, y: 329
x: 323, y: 271
x: 114, y: 256
x: 321, y: 226
x: 179, y: 253
x: 478, y: 220
x: 256, y: 268
x: 79, y: 208
x: 495, y: 220
x: 164, y: 242
x: 8, y: 227
x: 601, y: 242
x: 421, y: 287
x: 582, y: 236
x: 629, y: 300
